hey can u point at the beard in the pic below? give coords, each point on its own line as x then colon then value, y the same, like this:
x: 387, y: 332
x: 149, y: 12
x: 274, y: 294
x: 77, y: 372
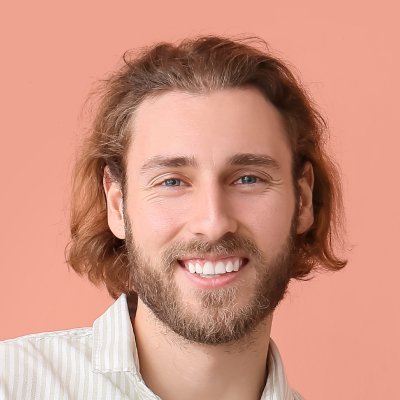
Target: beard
x: 217, y: 317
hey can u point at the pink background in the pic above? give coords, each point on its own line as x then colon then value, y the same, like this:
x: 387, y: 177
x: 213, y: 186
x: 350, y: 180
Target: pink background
x: 338, y: 334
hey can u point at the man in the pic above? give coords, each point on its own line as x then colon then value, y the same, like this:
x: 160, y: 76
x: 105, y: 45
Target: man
x: 202, y: 189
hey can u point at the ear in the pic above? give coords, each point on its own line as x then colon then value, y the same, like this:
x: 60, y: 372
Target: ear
x: 306, y: 185
x: 114, y: 205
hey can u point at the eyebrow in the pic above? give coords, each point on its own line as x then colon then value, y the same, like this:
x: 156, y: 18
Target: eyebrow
x: 254, y: 159
x: 184, y: 161
x: 168, y: 162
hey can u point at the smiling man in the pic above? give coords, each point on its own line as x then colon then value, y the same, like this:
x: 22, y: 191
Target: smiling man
x: 202, y: 189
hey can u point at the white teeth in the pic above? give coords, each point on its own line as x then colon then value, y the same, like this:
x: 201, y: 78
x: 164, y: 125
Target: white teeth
x: 209, y: 276
x: 229, y: 267
x: 220, y: 268
x: 208, y: 268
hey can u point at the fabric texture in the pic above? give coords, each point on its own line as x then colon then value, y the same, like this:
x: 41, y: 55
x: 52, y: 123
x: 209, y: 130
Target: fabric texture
x: 95, y: 363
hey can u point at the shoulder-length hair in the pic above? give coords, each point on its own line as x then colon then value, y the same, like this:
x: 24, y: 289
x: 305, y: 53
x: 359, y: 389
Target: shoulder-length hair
x: 196, y: 65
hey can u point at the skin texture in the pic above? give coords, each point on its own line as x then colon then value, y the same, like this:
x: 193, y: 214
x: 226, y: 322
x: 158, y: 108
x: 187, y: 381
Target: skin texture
x: 207, y: 199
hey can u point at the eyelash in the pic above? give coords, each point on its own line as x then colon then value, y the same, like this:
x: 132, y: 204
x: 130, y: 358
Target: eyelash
x: 258, y: 179
x: 171, y: 179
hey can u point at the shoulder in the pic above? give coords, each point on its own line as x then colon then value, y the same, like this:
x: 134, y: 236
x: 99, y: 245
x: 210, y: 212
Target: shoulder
x: 44, y: 345
x: 27, y: 362
x: 70, y: 334
x: 44, y: 348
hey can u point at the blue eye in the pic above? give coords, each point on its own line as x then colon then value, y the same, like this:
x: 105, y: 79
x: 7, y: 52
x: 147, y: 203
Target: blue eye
x: 172, y: 182
x: 248, y: 179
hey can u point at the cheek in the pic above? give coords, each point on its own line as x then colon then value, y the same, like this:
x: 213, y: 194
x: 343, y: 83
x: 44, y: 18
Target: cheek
x: 268, y: 220
x: 156, y: 223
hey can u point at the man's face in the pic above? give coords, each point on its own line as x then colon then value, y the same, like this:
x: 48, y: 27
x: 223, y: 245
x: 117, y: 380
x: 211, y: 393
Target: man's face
x: 210, y: 211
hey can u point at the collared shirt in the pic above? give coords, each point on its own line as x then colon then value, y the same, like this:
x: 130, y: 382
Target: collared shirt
x: 95, y: 363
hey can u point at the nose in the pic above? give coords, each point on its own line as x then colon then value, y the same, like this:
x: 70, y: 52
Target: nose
x: 211, y: 216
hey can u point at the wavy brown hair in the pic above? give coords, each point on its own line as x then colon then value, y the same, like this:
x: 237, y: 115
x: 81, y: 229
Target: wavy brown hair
x: 197, y: 65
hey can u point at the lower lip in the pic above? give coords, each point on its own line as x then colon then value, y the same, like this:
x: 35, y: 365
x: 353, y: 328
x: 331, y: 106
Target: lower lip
x: 212, y: 283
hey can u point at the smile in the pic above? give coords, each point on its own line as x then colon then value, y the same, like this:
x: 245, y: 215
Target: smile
x: 213, y: 268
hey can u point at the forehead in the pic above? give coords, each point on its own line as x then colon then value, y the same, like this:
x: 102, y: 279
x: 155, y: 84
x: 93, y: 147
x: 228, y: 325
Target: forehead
x: 208, y: 127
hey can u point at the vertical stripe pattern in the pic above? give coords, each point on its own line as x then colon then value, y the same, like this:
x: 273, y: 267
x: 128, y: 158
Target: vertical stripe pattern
x: 94, y: 363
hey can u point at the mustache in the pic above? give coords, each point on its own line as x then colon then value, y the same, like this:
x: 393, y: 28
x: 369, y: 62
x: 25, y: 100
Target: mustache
x: 199, y: 248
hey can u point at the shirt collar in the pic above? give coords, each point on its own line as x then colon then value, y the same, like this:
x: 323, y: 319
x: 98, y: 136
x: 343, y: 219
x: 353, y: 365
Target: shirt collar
x: 277, y: 387
x: 114, y: 346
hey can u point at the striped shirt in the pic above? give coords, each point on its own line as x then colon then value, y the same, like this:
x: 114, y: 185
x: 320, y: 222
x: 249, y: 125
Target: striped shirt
x: 94, y: 363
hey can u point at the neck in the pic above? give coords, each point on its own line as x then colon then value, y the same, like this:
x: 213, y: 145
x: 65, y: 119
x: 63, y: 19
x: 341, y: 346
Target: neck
x: 175, y: 369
